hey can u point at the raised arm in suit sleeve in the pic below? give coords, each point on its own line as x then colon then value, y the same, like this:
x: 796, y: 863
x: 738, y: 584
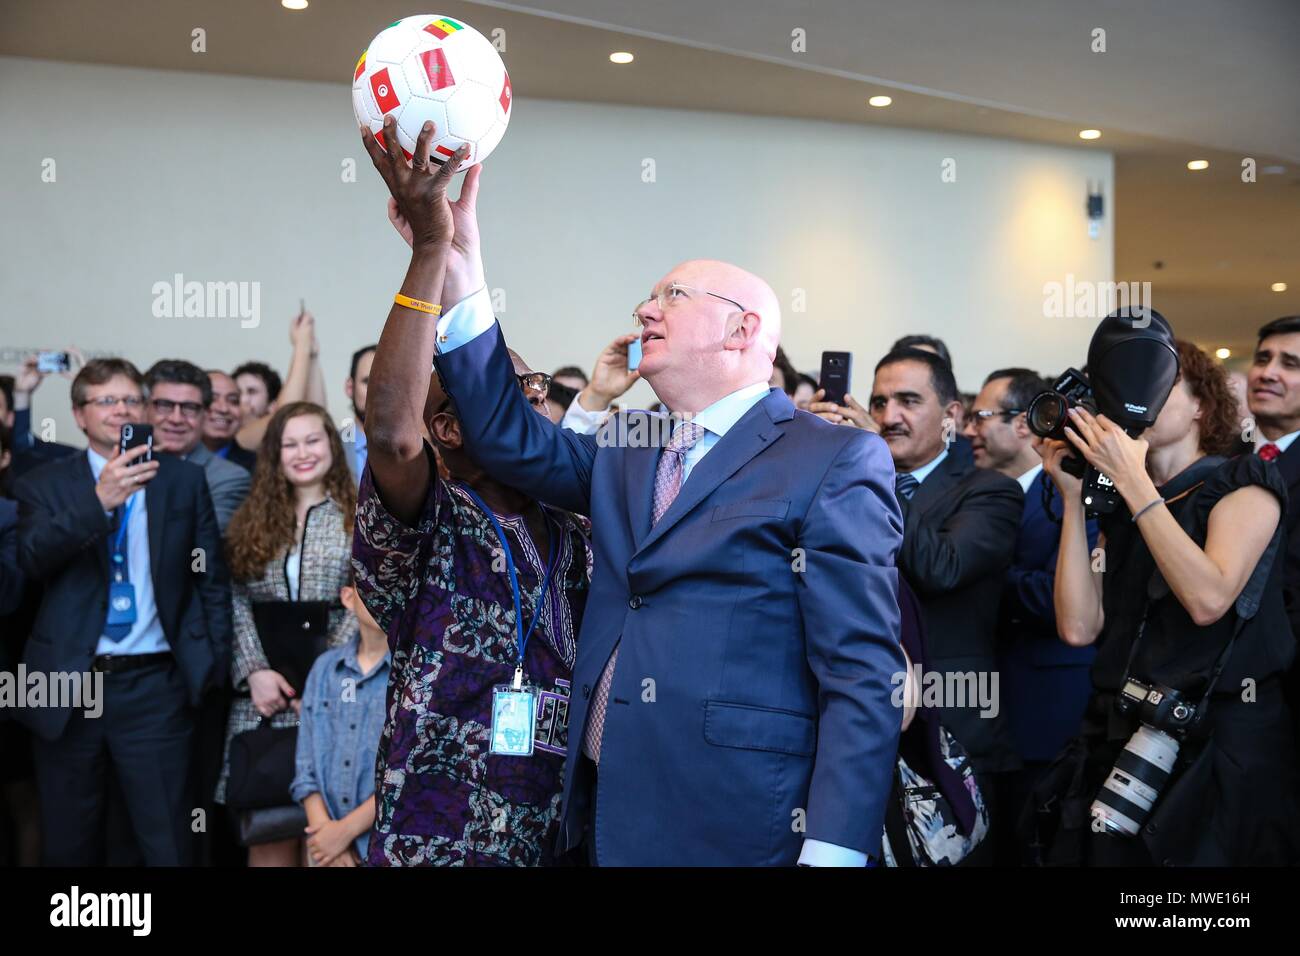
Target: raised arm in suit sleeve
x: 53, y: 532
x: 513, y: 443
x: 848, y: 601
x: 977, y: 538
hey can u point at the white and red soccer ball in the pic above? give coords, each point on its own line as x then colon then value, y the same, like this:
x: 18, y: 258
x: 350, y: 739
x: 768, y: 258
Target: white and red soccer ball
x: 434, y: 68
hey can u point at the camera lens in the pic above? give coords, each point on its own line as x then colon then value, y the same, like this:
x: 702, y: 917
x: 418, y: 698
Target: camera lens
x: 1046, y: 414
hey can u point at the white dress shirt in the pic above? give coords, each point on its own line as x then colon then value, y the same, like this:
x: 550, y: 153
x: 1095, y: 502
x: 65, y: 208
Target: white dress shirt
x: 146, y: 635
x: 1027, y: 479
x: 920, y: 474
x: 1282, y: 443
x: 473, y: 316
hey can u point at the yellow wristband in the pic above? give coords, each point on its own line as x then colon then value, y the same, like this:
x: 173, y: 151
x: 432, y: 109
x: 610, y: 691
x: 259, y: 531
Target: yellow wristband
x: 418, y: 304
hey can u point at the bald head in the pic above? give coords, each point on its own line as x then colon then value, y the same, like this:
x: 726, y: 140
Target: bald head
x: 716, y: 332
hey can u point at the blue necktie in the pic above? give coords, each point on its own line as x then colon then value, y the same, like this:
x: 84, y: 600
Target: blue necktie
x: 117, y: 544
x: 905, y: 486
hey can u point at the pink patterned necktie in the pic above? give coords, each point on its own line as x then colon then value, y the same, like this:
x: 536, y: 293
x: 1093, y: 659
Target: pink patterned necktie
x: 668, y: 482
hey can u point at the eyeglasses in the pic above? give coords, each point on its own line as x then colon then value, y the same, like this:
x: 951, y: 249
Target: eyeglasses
x: 535, y: 385
x: 676, y: 292
x: 164, y: 407
x: 110, y: 401
x: 981, y: 415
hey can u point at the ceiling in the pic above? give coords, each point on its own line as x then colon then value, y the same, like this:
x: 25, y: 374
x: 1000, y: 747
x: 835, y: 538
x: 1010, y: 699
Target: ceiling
x: 1180, y: 79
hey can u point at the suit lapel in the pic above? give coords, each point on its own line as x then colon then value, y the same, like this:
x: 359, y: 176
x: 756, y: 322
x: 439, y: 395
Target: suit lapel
x: 936, y: 485
x: 757, y: 430
x: 82, y: 472
x: 639, y: 471
x: 1289, y: 463
x: 155, y: 500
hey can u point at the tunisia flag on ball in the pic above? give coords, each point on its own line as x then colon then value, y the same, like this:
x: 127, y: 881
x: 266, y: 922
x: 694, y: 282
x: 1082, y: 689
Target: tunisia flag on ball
x: 382, y: 87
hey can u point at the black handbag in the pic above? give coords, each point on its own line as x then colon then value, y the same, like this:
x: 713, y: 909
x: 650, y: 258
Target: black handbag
x: 261, y: 767
x: 271, y: 824
x: 292, y: 633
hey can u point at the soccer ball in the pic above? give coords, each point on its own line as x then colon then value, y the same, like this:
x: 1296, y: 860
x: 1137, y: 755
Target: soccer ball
x: 434, y: 68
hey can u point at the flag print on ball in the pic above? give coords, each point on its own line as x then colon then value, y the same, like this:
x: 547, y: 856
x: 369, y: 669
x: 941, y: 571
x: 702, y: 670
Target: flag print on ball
x: 434, y: 69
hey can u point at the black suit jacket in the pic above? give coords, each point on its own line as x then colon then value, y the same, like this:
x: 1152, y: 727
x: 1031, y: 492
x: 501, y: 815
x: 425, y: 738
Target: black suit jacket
x: 62, y: 542
x: 1289, y: 464
x: 959, y: 536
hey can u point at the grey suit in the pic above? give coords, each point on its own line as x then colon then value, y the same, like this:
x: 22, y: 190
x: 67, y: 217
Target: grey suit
x: 228, y: 484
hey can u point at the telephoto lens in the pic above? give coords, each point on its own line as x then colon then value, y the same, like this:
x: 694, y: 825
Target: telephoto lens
x: 1143, y: 767
x: 1046, y: 415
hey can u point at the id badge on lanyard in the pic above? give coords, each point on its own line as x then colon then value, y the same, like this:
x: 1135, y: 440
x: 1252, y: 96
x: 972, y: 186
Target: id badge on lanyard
x: 514, y: 705
x: 121, y: 592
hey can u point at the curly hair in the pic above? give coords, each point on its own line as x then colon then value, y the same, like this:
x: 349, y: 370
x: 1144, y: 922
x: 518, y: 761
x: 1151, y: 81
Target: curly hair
x: 263, y: 527
x: 1220, y: 425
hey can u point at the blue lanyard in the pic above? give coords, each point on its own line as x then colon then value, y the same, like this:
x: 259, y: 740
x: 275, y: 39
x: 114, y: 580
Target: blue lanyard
x: 119, y: 559
x: 523, y: 635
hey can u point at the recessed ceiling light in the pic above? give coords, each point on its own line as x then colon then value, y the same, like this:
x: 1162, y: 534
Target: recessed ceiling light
x: 1223, y: 353
x: 621, y: 57
x: 1198, y: 164
x: 1278, y: 287
x: 880, y: 100
x: 294, y: 4
x: 1089, y: 134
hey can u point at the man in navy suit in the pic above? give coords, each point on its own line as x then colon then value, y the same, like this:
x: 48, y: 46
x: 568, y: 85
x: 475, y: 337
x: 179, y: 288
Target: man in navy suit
x: 1045, y: 682
x: 731, y: 695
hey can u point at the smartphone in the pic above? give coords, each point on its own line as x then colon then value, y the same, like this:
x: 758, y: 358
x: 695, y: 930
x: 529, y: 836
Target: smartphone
x: 836, y: 367
x: 633, y: 355
x: 134, y: 435
x: 47, y: 362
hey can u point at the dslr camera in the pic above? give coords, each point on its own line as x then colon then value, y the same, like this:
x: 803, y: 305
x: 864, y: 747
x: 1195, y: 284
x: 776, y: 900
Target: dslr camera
x: 1132, y: 366
x: 1144, y: 766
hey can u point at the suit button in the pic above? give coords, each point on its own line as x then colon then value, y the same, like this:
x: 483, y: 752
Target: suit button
x: 586, y: 691
x: 1151, y: 828
x: 634, y: 602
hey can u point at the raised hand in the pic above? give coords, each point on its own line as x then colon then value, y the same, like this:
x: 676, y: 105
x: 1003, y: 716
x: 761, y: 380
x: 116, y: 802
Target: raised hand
x: 610, y: 377
x: 418, y: 188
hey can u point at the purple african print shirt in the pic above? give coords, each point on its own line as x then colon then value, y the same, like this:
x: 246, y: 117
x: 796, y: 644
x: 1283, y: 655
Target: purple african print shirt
x: 442, y: 595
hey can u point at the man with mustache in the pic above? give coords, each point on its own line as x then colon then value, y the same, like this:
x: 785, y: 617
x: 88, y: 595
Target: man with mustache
x: 959, y: 536
x: 1273, y: 394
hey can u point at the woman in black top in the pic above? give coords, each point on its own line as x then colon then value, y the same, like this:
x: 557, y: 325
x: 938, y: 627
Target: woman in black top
x: 1197, y: 557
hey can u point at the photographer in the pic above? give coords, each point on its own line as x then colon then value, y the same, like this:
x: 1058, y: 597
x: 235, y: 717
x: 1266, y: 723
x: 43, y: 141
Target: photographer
x: 1160, y: 598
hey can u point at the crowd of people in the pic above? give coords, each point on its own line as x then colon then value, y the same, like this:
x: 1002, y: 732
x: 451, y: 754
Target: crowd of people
x: 481, y: 622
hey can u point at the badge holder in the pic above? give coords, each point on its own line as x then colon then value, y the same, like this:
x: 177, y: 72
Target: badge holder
x: 514, y: 711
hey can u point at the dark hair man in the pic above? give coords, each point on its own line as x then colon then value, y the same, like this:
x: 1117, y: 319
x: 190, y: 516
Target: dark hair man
x: 136, y: 595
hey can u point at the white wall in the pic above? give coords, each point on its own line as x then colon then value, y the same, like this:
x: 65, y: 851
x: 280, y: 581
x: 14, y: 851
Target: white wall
x: 239, y: 179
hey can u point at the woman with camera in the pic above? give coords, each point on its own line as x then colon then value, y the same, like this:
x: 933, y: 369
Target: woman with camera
x: 1185, y: 755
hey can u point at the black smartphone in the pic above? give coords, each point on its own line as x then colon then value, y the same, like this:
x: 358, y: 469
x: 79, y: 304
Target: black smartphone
x: 836, y: 367
x: 134, y: 435
x: 48, y: 362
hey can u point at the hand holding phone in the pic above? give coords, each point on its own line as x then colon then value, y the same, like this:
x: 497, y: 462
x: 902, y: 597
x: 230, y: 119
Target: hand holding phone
x: 836, y: 370
x: 50, y: 362
x: 130, y: 469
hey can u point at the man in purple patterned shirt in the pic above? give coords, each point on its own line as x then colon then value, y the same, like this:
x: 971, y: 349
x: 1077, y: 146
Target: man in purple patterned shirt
x: 431, y: 566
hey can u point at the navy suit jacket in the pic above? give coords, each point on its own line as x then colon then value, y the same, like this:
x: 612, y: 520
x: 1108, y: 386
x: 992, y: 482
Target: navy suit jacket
x: 1046, y: 682
x: 757, y: 625
x: 62, y: 543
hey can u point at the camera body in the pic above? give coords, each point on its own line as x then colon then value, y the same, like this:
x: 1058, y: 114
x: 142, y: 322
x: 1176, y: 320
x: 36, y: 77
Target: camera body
x: 1157, y: 706
x: 1146, y: 763
x: 1132, y: 366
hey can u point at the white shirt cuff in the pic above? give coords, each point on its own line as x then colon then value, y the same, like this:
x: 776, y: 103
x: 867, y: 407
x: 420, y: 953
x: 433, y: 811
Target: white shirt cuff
x: 578, y: 419
x: 817, y: 853
x: 466, y: 320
